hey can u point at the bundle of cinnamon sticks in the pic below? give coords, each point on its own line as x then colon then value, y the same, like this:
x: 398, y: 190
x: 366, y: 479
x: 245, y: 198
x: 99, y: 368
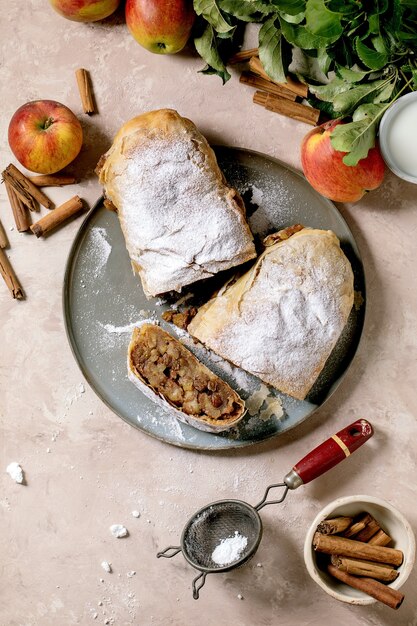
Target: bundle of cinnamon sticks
x: 360, y: 556
x: 278, y: 97
x: 25, y: 196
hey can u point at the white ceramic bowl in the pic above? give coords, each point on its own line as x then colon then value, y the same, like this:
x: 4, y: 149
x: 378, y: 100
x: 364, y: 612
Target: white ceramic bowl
x: 391, y: 520
x: 385, y: 127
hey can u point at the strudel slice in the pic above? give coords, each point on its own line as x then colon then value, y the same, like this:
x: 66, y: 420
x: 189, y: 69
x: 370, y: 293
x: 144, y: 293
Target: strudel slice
x: 170, y: 375
x: 281, y: 319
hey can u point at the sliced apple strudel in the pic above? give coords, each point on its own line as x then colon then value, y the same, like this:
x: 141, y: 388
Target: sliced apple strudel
x: 281, y: 319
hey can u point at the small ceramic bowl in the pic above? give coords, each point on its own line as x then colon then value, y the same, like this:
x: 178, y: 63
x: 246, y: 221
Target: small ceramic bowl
x: 390, y: 519
x: 387, y: 122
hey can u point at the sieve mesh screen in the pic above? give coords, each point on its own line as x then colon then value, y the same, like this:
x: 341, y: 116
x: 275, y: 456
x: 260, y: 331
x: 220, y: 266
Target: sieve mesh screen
x: 217, y: 522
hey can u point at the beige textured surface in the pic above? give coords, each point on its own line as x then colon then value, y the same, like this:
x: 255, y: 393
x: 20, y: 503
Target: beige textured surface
x: 54, y: 532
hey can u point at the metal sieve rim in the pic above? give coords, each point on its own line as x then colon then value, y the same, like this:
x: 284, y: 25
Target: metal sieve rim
x: 243, y: 559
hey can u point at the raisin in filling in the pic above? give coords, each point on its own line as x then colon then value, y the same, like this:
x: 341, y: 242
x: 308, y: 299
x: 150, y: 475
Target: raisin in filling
x: 172, y: 371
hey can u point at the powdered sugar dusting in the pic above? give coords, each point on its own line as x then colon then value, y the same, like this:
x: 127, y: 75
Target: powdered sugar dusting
x: 165, y: 190
x: 128, y: 328
x: 99, y: 249
x: 294, y: 304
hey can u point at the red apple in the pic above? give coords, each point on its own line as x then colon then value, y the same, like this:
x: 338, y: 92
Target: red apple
x: 85, y: 10
x: 325, y: 171
x: 45, y: 136
x: 160, y: 26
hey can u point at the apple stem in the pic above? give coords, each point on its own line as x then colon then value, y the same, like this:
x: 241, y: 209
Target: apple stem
x: 47, y: 123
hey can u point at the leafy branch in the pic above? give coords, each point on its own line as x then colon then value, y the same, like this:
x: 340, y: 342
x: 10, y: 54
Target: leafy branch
x: 364, y: 53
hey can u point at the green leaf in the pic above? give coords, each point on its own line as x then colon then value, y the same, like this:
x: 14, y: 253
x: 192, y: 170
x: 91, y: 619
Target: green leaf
x: 379, y: 44
x: 324, y: 60
x: 302, y: 38
x: 271, y: 51
x: 206, y: 46
x: 352, y: 76
x: 373, y: 21
x: 210, y: 10
x: 246, y: 10
x: 348, y: 100
x: 374, y: 16
x: 292, y: 7
x: 385, y: 93
x: 395, y: 17
x: 326, y: 107
x: 357, y: 137
x: 320, y: 21
x: 293, y: 19
x: 371, y: 58
x: 307, y: 67
x: 329, y: 92
x: 370, y: 112
x: 347, y: 7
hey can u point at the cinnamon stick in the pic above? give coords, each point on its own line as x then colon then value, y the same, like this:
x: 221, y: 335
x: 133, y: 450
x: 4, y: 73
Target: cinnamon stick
x: 369, y: 531
x: 52, y: 180
x: 298, y: 88
x: 20, y: 214
x: 4, y: 242
x: 331, y: 544
x: 243, y: 55
x: 333, y: 526
x: 357, y: 567
x: 10, y: 277
x: 84, y: 87
x: 358, y: 525
x: 25, y: 187
x: 380, y: 539
x: 296, y: 111
x: 57, y: 217
x: 248, y: 78
x: 21, y: 197
x: 382, y: 593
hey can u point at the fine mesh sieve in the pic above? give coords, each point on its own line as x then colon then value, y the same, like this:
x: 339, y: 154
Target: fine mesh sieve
x: 217, y: 521
x: 222, y: 520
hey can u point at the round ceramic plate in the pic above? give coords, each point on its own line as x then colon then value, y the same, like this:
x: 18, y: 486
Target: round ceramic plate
x: 103, y: 301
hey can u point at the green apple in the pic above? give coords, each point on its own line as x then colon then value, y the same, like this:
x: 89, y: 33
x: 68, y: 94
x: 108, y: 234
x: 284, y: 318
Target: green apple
x: 160, y: 26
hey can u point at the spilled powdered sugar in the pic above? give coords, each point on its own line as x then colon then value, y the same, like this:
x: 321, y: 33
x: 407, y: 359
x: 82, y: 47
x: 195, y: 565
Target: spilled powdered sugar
x: 128, y: 328
x: 99, y: 249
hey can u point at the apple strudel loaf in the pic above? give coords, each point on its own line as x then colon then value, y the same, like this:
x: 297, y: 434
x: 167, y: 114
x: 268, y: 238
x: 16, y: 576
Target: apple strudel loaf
x: 180, y: 219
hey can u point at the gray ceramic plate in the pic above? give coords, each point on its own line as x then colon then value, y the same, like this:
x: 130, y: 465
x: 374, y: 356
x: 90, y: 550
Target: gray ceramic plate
x: 103, y: 300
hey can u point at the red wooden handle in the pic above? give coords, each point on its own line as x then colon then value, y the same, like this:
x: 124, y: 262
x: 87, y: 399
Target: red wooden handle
x: 331, y: 452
